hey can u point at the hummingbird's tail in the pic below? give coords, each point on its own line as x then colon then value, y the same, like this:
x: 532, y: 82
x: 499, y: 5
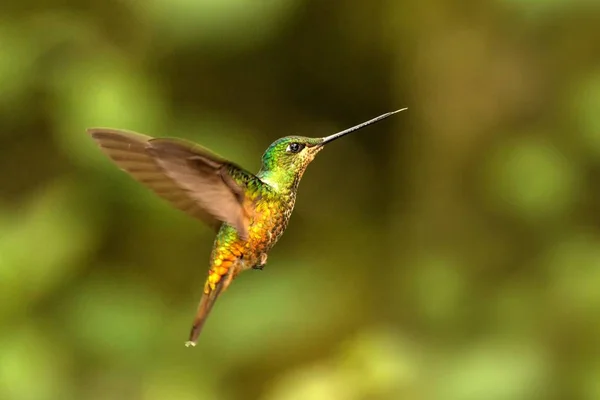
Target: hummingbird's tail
x: 209, y: 296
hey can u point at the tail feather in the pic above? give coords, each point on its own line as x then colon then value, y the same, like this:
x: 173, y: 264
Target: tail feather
x: 209, y: 297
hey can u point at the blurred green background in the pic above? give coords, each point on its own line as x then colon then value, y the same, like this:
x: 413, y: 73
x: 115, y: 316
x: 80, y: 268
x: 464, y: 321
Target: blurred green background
x: 451, y: 252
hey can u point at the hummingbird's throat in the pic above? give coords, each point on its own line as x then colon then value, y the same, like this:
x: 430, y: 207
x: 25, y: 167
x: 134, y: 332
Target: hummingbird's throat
x: 281, y: 180
x: 285, y: 179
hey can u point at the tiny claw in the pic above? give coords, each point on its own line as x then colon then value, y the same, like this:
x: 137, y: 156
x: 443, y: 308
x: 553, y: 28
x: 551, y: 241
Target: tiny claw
x: 189, y: 343
x: 262, y: 262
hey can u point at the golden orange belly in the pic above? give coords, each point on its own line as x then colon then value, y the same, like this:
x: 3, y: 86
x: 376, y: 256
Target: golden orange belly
x: 231, y: 252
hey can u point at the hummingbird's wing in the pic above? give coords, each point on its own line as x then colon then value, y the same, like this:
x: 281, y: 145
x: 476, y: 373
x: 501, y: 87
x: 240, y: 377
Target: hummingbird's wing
x: 190, y: 177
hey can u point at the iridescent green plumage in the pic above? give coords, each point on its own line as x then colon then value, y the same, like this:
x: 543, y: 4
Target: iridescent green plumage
x: 249, y: 212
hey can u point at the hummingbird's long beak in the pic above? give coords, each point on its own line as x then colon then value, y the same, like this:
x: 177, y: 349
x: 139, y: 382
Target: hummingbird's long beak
x: 331, y: 138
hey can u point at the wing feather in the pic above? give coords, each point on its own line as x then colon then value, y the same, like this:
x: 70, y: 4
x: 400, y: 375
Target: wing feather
x: 188, y: 176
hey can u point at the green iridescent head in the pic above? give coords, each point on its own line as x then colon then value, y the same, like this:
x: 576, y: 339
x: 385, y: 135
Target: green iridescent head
x: 291, y: 153
x: 286, y: 159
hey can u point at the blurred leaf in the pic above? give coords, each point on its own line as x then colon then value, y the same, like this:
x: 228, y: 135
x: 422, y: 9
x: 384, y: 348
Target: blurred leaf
x: 533, y: 178
x: 179, y: 383
x: 574, y: 267
x: 373, y: 365
x: 115, y: 319
x: 32, y: 367
x: 382, y: 365
x: 231, y: 24
x: 587, y: 104
x: 104, y: 92
x: 43, y: 246
x: 317, y: 382
x: 440, y: 289
x: 18, y: 54
x: 546, y: 8
x: 494, y: 371
x: 591, y: 384
x: 516, y: 307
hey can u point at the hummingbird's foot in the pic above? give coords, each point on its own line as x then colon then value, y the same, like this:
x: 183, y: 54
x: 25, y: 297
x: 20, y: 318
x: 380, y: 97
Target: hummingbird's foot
x: 262, y: 262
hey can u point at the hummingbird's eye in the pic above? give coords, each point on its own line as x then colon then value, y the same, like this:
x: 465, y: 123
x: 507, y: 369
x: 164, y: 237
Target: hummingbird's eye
x: 294, y: 148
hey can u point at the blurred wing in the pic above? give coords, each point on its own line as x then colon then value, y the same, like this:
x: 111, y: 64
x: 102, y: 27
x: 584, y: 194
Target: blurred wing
x: 190, y: 177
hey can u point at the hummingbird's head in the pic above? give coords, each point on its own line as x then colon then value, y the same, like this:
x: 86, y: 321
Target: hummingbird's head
x: 291, y: 152
x: 286, y: 159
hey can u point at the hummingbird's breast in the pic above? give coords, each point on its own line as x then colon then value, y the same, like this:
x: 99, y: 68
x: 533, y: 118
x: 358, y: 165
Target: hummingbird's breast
x: 270, y: 219
x: 232, y: 254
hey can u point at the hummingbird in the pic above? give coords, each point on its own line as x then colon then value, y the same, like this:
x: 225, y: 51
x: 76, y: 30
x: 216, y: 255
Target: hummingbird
x: 248, y: 212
